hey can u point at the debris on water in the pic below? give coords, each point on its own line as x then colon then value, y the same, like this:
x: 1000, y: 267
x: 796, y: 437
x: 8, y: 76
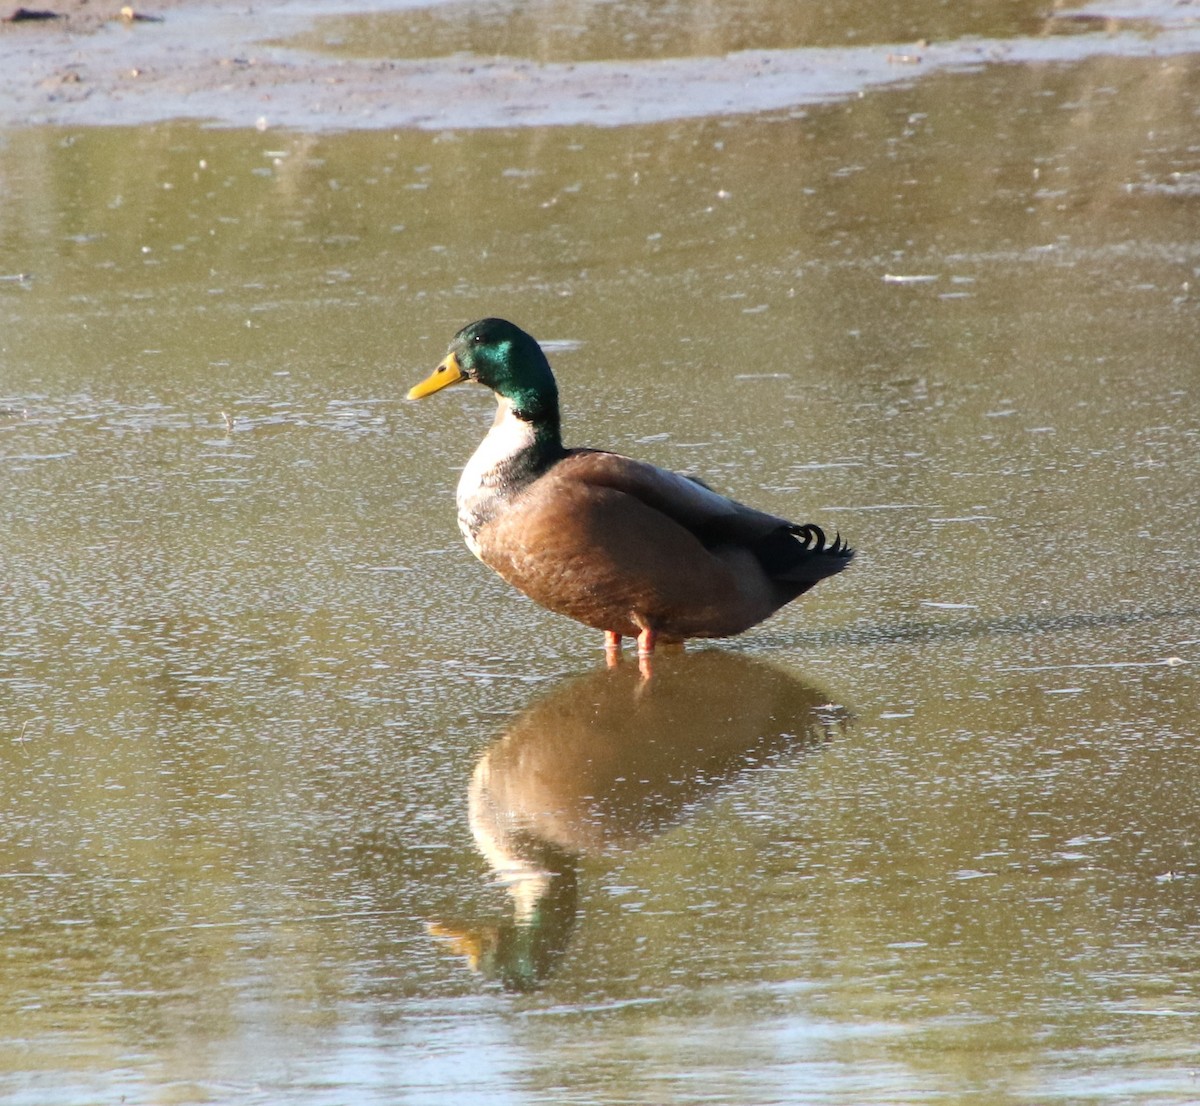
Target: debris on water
x: 129, y: 15
x: 31, y: 15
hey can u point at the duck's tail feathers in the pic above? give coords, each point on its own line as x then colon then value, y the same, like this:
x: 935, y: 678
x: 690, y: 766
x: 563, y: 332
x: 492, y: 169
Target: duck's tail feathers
x: 797, y: 556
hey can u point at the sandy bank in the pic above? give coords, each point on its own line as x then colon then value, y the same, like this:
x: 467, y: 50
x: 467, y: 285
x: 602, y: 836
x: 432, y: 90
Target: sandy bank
x: 220, y: 62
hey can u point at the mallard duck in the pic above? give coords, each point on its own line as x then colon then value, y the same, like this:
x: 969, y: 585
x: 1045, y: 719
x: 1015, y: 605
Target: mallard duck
x: 617, y: 544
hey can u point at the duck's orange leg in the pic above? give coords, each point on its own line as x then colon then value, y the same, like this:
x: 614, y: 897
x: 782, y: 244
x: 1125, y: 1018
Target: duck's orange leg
x: 612, y: 648
x: 646, y: 641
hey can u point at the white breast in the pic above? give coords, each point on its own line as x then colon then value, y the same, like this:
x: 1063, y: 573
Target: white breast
x: 480, y: 479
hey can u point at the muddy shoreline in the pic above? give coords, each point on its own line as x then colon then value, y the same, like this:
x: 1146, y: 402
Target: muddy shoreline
x: 220, y: 61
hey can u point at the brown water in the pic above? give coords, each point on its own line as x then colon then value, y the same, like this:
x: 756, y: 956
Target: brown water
x: 569, y: 31
x: 298, y: 803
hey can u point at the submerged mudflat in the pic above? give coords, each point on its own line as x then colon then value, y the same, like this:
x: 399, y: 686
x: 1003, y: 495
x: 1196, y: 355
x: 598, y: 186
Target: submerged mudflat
x: 312, y: 65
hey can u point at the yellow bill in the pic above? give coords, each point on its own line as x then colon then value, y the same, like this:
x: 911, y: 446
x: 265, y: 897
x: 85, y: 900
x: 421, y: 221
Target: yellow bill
x: 447, y: 373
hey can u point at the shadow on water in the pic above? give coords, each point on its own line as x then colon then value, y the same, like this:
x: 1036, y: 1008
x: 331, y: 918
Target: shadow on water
x: 607, y: 762
x: 933, y: 631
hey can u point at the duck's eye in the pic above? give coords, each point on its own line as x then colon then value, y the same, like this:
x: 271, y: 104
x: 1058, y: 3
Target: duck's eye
x: 478, y: 339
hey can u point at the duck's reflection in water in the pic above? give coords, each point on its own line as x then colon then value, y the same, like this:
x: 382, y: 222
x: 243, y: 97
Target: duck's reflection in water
x: 606, y: 762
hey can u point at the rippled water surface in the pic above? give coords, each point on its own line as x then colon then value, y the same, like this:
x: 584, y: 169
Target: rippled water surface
x: 299, y: 804
x: 567, y: 30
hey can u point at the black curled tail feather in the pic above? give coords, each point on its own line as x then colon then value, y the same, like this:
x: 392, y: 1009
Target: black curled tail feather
x: 813, y: 541
x: 797, y: 556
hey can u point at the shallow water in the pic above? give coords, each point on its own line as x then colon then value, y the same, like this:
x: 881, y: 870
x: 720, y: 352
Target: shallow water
x: 567, y: 31
x: 300, y: 803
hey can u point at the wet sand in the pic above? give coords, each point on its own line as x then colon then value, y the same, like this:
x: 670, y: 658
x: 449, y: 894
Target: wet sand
x: 222, y: 62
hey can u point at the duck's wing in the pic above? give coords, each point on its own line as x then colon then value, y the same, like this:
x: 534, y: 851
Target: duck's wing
x: 787, y: 551
x: 712, y: 517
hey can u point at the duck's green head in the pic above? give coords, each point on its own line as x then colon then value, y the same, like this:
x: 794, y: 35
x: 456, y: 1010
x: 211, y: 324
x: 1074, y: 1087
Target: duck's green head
x: 500, y: 355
